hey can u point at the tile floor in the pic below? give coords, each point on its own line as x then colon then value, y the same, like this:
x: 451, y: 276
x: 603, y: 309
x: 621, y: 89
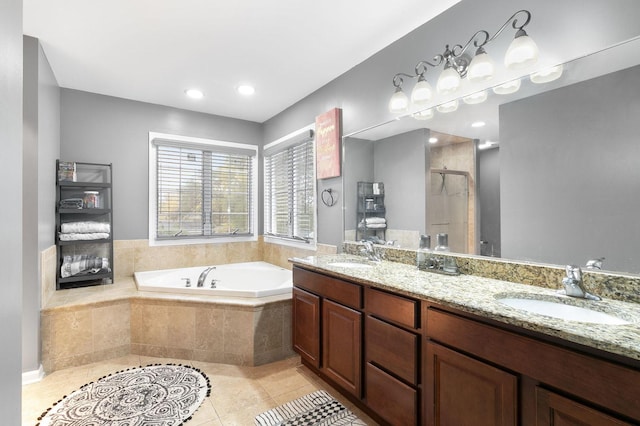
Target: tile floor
x: 238, y: 393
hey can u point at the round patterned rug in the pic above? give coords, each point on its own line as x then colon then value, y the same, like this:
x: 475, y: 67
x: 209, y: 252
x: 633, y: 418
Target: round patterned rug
x: 159, y: 395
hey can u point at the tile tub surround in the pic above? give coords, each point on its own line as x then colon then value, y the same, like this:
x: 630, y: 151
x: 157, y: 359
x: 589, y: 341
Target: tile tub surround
x: 477, y: 295
x: 97, y: 323
x: 89, y: 324
x: 617, y: 286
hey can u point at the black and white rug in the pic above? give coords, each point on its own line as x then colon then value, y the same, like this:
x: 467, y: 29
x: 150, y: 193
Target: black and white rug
x: 317, y: 408
x: 158, y: 395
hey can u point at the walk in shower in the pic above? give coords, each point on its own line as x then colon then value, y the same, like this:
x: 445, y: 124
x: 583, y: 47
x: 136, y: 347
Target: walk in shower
x: 448, y: 207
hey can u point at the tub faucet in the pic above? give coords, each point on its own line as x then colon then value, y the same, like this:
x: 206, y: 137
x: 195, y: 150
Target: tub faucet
x: 203, y: 275
x: 573, y: 284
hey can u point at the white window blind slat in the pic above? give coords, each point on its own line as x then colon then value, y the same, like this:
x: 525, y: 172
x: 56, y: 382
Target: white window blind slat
x: 203, y: 192
x: 289, y: 192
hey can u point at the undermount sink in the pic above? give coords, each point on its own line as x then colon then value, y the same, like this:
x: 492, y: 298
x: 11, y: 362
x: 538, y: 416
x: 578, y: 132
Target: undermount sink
x: 562, y: 311
x: 350, y: 265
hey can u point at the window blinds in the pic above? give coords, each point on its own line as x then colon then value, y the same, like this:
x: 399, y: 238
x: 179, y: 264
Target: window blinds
x: 289, y: 191
x: 203, y: 191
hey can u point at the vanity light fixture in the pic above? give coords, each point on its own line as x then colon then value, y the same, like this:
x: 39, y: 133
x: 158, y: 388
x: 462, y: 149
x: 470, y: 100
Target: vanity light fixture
x: 194, y: 93
x: 246, y: 89
x: 448, y: 107
x: 547, y: 75
x: 475, y: 98
x: 478, y: 124
x: 433, y: 140
x: 425, y: 114
x: 507, y: 88
x: 522, y: 53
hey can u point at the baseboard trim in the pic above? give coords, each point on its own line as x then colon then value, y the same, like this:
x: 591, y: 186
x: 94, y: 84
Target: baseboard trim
x: 32, y: 376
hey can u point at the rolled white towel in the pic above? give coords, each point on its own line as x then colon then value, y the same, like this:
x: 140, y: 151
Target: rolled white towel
x: 84, y: 227
x: 81, y: 236
x: 73, y: 265
x: 372, y: 220
x: 376, y: 226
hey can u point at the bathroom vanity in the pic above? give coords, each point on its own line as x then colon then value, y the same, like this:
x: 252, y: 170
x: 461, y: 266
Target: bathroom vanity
x: 413, y: 347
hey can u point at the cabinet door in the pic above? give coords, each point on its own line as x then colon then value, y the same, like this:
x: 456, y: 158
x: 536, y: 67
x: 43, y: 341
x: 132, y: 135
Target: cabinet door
x: 341, y: 346
x: 556, y: 410
x: 306, y: 326
x: 464, y: 391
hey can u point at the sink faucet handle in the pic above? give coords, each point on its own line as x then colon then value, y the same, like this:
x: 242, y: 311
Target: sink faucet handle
x: 595, y: 263
x: 574, y: 272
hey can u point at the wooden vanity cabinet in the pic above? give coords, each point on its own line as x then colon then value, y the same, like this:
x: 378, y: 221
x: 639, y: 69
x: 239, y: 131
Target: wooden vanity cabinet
x: 519, y: 379
x: 306, y: 326
x: 392, y: 356
x: 327, y: 327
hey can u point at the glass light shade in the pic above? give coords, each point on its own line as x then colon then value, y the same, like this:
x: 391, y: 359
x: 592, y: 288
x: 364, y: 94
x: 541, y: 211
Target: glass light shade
x: 422, y: 92
x: 507, y: 88
x: 547, y: 75
x: 399, y: 102
x: 481, y: 68
x: 522, y: 53
x: 448, y: 106
x: 448, y: 82
x: 475, y: 98
x: 425, y: 114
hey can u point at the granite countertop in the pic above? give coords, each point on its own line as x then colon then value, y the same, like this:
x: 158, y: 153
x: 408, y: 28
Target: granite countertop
x: 478, y: 295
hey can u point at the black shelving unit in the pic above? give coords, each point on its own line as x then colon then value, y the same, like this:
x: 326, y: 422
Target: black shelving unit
x: 370, y: 206
x: 91, y: 183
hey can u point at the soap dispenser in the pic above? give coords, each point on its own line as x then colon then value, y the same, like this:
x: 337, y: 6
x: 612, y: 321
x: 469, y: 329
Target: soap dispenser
x: 423, y: 256
x: 446, y: 263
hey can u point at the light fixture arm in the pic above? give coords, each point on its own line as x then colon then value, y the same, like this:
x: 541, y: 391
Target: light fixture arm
x: 398, y: 80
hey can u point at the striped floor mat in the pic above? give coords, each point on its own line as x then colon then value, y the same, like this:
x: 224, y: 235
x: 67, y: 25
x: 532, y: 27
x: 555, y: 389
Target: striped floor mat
x: 317, y: 408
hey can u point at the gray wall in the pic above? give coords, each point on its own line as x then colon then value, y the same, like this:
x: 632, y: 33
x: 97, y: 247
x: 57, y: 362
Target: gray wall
x: 97, y: 128
x: 11, y: 223
x: 359, y: 154
x: 569, y: 173
x: 364, y: 91
x: 41, y: 135
x: 489, y: 201
x: 401, y: 162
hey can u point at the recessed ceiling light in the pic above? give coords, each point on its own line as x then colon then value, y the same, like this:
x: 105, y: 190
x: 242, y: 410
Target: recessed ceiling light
x: 478, y: 124
x: 433, y: 140
x: 194, y: 93
x: 246, y: 90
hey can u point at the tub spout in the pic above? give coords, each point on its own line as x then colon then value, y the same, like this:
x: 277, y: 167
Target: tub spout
x: 203, y: 275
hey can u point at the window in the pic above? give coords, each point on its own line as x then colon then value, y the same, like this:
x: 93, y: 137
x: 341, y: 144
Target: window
x: 289, y: 188
x: 201, y: 189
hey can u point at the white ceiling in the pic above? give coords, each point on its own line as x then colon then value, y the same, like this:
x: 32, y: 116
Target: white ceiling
x: 152, y: 50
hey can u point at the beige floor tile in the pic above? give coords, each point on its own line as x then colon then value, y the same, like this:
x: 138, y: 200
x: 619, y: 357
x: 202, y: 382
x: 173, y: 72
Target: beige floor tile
x: 238, y: 393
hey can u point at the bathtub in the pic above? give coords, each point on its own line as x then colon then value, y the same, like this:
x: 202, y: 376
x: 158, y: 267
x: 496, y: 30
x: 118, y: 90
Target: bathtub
x: 247, y: 279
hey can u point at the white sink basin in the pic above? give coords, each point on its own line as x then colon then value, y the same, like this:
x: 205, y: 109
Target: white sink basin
x: 354, y: 265
x: 562, y: 311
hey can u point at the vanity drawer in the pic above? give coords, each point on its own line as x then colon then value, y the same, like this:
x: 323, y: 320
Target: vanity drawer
x: 340, y: 291
x: 391, y: 399
x: 398, y: 309
x: 392, y: 348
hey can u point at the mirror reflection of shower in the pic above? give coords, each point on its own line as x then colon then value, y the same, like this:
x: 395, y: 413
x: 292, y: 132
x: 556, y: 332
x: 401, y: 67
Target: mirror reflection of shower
x: 451, y: 202
x: 448, y: 207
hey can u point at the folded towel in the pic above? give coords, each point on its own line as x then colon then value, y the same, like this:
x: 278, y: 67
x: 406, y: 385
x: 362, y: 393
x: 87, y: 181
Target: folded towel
x: 79, y: 236
x: 71, y: 203
x: 85, y: 227
x: 73, y: 265
x: 376, y: 226
x: 371, y: 220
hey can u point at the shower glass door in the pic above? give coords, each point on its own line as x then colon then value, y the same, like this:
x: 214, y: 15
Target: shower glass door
x: 448, y: 208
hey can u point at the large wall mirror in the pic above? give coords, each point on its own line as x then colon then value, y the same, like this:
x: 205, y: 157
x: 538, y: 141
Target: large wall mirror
x: 553, y: 175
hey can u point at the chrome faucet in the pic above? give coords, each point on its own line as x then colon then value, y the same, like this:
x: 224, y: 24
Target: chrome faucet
x: 595, y: 263
x: 369, y: 251
x: 573, y: 284
x: 203, y: 275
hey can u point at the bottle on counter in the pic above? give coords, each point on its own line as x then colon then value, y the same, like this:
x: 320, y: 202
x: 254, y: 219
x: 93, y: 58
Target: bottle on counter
x: 423, y: 255
x: 446, y: 263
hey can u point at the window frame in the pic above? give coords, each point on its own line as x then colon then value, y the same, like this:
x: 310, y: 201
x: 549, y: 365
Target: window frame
x: 189, y: 141
x: 298, y: 134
